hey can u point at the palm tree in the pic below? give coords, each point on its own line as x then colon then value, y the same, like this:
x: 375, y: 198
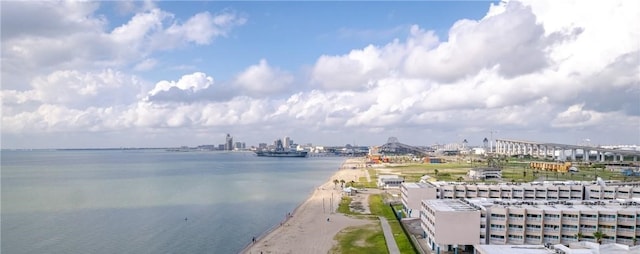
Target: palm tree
x: 335, y: 183
x: 635, y: 240
x: 342, y: 183
x: 579, y: 236
x: 598, y: 235
x: 435, y: 171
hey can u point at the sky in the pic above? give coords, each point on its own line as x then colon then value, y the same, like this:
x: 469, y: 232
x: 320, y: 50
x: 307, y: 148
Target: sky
x: 165, y: 74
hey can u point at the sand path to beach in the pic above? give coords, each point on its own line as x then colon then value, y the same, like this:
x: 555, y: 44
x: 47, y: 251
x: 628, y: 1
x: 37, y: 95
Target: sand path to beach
x: 308, y: 230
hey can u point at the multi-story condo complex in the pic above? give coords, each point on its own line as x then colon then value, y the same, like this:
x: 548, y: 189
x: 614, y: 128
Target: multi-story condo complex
x: 412, y: 193
x: 501, y: 221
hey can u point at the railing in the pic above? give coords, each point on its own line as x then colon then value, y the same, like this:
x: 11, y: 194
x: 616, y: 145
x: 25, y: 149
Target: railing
x: 608, y: 219
x: 628, y: 230
x: 534, y: 218
x: 570, y: 230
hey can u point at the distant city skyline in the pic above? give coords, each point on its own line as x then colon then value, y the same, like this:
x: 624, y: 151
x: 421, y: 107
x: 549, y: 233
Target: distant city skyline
x: 167, y: 74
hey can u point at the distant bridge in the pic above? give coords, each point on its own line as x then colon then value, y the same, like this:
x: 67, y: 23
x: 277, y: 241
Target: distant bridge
x: 394, y: 146
x: 562, y: 152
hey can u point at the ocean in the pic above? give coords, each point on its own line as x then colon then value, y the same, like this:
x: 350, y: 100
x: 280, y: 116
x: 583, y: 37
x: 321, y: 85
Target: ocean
x: 148, y: 201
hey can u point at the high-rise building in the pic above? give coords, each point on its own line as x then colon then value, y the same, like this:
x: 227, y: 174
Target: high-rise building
x: 287, y: 142
x: 228, y: 145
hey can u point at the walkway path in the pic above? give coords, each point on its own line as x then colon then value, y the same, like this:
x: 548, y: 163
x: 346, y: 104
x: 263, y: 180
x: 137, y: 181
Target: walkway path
x: 388, y: 235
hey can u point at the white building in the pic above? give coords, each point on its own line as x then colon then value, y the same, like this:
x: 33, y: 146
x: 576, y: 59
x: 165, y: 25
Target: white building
x: 412, y: 195
x: 450, y: 224
x: 556, y: 190
x: 389, y: 181
x: 485, y: 173
x: 573, y: 248
x: 495, y: 221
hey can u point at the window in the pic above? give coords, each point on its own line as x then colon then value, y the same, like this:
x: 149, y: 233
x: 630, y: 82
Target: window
x: 551, y: 216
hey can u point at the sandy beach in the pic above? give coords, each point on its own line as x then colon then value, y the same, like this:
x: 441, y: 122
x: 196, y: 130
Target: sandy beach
x: 308, y: 230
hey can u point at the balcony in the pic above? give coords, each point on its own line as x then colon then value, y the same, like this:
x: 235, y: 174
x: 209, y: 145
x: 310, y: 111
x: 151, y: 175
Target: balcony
x: 532, y: 241
x: 496, y: 229
x: 570, y: 230
x: 515, y: 230
x: 515, y: 241
x: 627, y: 232
x: 496, y: 241
x: 625, y: 241
x: 626, y: 221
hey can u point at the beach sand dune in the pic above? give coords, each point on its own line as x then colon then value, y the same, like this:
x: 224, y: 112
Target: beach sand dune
x: 308, y: 230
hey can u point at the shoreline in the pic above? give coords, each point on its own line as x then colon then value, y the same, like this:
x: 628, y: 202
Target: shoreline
x: 312, y: 225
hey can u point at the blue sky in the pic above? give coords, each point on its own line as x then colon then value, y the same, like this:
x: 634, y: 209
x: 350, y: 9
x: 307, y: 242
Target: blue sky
x: 131, y: 74
x: 292, y: 34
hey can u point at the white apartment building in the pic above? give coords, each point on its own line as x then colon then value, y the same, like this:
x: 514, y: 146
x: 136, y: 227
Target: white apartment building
x: 412, y: 195
x: 529, y: 222
x: 450, y: 224
x: 557, y: 190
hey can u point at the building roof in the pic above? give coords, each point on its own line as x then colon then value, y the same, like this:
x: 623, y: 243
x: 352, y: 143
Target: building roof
x: 450, y: 205
x: 485, y: 169
x: 632, y: 205
x: 415, y: 185
x: 388, y: 176
x: 511, y: 249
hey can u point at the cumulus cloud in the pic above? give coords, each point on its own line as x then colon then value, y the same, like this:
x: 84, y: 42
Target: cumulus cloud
x: 78, y: 90
x: 192, y: 82
x: 475, y: 45
x: 70, y: 35
x: 263, y: 80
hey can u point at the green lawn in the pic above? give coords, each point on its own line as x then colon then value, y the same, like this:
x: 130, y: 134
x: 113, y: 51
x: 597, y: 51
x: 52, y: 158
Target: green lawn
x: 513, y: 171
x: 378, y: 208
x: 364, y: 239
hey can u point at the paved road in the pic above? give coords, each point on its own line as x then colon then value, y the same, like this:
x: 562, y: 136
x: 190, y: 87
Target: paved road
x: 388, y: 235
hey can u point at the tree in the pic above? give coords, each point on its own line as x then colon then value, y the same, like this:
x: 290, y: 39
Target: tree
x: 579, y: 236
x: 635, y: 240
x: 460, y: 179
x: 435, y: 171
x: 598, y: 235
x: 342, y: 181
x: 335, y: 182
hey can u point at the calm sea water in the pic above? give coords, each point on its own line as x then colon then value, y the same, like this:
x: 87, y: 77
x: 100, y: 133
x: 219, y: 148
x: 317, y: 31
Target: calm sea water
x: 136, y: 201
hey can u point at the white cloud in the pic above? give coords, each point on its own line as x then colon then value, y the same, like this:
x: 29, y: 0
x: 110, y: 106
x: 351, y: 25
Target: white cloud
x: 146, y: 64
x: 72, y: 36
x: 192, y: 82
x: 263, y: 80
x: 79, y: 89
x: 475, y: 45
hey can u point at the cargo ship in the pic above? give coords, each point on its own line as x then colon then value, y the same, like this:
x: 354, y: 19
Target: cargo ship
x: 280, y: 151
